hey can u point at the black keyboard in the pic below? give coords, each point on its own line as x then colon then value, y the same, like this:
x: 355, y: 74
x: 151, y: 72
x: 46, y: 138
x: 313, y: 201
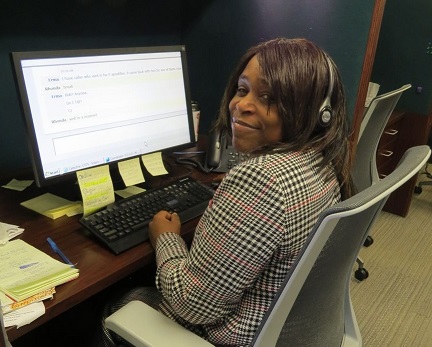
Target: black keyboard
x: 124, y: 224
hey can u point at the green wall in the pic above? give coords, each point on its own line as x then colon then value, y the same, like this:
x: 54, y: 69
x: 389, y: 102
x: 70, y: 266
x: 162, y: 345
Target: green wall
x: 404, y: 53
x: 224, y: 30
x: 216, y: 34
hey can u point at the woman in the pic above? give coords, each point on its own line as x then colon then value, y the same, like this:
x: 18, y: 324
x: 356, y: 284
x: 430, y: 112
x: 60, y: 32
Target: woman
x: 285, y: 106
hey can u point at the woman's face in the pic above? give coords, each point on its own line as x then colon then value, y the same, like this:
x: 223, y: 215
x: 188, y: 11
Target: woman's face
x: 255, y: 120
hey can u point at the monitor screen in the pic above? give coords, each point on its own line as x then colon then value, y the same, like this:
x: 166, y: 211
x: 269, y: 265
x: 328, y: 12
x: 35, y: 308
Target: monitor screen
x: 85, y: 108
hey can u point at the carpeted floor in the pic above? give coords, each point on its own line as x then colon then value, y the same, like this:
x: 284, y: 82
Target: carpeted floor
x: 394, y: 305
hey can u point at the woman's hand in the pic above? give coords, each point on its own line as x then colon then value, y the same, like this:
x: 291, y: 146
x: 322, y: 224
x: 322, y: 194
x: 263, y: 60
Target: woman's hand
x: 163, y: 222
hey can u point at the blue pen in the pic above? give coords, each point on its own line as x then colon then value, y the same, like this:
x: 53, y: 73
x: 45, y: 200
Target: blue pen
x: 59, y: 252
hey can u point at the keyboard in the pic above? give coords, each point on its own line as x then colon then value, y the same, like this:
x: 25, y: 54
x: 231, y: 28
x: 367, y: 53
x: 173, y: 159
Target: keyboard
x: 124, y: 224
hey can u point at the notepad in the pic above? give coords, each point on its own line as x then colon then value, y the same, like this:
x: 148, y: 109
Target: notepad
x: 51, y: 205
x: 8, y: 305
x: 26, y: 271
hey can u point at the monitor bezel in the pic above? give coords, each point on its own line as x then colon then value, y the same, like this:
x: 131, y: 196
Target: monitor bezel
x: 36, y: 162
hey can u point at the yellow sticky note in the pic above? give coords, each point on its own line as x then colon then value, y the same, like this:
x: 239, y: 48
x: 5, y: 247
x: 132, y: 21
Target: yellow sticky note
x: 96, y: 188
x: 129, y: 191
x: 154, y: 164
x: 130, y: 171
x: 18, y: 185
x: 68, y: 210
x: 50, y: 205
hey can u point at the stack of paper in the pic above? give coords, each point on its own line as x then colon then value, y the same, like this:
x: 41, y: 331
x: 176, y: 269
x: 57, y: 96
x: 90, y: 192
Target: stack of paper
x: 8, y: 305
x: 53, y: 206
x: 26, y: 271
x: 24, y: 315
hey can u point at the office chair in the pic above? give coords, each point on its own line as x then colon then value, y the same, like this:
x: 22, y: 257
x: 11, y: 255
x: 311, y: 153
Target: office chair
x: 365, y: 172
x: 313, y: 305
x: 418, y: 188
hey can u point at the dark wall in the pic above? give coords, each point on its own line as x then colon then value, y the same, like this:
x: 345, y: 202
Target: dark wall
x: 404, y: 53
x: 216, y: 33
x: 225, y: 29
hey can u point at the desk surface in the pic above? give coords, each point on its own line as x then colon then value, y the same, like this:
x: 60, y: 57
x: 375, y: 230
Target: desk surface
x: 99, y: 268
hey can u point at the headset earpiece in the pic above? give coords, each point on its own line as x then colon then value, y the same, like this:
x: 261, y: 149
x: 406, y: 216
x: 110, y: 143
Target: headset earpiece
x: 325, y: 115
x: 326, y: 112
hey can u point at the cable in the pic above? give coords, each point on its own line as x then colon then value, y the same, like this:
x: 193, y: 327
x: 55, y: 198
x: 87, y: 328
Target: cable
x: 192, y: 162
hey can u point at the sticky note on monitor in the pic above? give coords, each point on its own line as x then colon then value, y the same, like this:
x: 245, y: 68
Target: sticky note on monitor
x: 154, y: 164
x: 96, y: 188
x: 130, y: 171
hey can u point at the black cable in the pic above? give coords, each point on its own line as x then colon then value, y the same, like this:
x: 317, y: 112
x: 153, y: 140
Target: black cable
x: 192, y: 162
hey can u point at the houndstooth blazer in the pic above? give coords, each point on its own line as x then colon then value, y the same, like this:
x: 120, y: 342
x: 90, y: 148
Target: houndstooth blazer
x: 244, y: 244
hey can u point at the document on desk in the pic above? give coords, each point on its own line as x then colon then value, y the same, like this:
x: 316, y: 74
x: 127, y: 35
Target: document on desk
x: 8, y: 232
x: 9, y: 305
x: 24, y: 315
x: 26, y: 271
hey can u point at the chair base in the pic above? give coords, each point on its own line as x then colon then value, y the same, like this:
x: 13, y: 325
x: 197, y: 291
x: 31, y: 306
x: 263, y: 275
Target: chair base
x: 418, y: 188
x: 361, y: 273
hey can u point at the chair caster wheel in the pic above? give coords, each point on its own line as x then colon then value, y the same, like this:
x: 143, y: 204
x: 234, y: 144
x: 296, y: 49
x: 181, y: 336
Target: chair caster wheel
x: 361, y: 274
x: 418, y: 189
x: 369, y: 240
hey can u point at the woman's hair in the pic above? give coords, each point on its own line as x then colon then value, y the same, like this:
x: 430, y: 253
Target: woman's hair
x: 299, y: 74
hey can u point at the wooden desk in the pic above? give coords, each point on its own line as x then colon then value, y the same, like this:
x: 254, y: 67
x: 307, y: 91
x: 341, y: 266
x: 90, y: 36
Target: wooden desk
x: 99, y: 268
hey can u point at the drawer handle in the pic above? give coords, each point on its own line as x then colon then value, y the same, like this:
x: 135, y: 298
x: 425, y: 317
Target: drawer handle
x: 391, y: 132
x: 386, y: 153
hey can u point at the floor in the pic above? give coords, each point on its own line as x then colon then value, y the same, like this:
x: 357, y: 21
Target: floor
x: 394, y: 304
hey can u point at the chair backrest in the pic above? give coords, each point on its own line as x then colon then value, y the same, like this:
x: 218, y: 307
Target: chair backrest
x: 365, y: 172
x: 313, y: 305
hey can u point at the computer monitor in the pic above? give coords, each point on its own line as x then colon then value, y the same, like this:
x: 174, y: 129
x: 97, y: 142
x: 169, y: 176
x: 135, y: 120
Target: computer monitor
x: 85, y: 108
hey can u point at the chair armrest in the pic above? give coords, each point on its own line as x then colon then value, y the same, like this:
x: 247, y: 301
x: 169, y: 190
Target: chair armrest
x: 143, y: 326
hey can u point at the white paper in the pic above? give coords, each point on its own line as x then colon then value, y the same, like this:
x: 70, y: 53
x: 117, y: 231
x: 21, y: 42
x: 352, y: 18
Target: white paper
x: 24, y: 315
x: 8, y: 232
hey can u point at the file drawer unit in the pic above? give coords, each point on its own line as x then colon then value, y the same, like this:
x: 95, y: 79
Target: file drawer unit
x: 386, y: 158
x: 403, y: 130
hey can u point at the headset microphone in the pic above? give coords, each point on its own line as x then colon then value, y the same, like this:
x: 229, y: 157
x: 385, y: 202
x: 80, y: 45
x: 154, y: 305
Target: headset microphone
x: 326, y: 112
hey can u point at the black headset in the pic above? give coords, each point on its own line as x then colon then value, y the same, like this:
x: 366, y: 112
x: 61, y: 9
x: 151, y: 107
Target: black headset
x: 326, y: 112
